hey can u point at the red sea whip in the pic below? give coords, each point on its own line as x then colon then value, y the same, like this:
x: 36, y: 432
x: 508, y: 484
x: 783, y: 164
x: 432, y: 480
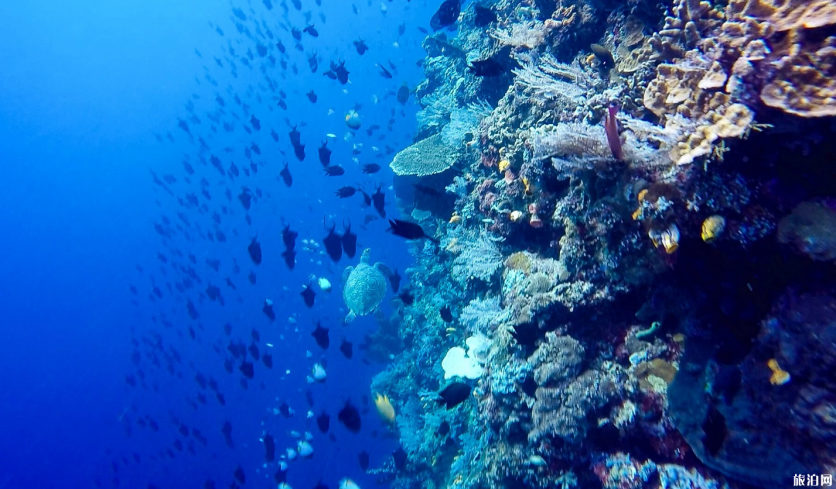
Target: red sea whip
x: 611, y: 127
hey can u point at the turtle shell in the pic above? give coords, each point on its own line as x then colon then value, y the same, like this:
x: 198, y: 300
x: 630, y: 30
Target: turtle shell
x: 364, y: 289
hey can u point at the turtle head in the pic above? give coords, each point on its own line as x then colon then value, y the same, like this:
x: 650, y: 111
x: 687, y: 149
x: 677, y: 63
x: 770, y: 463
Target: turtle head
x: 365, y: 257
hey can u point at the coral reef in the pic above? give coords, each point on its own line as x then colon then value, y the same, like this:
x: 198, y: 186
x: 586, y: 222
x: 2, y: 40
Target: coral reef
x: 636, y: 246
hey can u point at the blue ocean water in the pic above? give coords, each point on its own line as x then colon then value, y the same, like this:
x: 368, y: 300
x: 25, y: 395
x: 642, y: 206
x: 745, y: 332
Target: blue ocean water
x: 91, y: 93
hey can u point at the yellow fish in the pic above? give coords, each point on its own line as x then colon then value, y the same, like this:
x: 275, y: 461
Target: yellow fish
x: 504, y: 165
x: 384, y: 408
x: 712, y: 228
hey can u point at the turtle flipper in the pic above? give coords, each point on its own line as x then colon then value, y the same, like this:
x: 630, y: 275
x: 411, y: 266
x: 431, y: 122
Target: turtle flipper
x: 384, y: 269
x: 378, y: 314
x: 349, y: 317
x: 346, y: 273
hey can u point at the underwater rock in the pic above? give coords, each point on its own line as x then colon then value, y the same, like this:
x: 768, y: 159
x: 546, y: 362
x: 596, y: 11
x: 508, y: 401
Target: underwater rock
x: 811, y: 229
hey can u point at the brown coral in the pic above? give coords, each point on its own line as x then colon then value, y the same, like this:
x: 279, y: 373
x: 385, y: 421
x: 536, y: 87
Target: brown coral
x: 793, y: 14
x: 805, y: 80
x: 691, y: 89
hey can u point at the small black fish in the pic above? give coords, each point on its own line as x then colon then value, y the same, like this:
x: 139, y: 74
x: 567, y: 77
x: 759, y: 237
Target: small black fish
x: 310, y: 29
x: 334, y: 171
x: 289, y: 238
x: 330, y: 74
x: 333, y: 244
x: 487, y: 67
x: 299, y: 152
x: 268, y: 360
x: 246, y: 368
x: 253, y: 349
x: 363, y: 458
x: 239, y: 475
x: 483, y: 16
x: 251, y: 277
x: 361, y: 47
x: 324, y: 154
x: 345, y: 192
x: 395, y: 281
x: 320, y: 334
x: 281, y: 474
x: 295, y: 137
x: 347, y: 349
x: 285, y: 410
x: 341, y: 72
x: 312, y: 96
x: 308, y: 295
x: 230, y: 284
x: 399, y: 457
x: 226, y: 429
x: 406, y: 297
x: 367, y: 199
x: 246, y: 198
x: 408, y: 230
x: 403, y: 94
x: 255, y: 251
x: 268, y: 310
x: 384, y: 72
x: 289, y: 257
x: 287, y: 178
x: 446, y: 15
x: 446, y: 314
x: 350, y: 417
x: 320, y: 485
x: 255, y: 123
x: 269, y: 448
x: 603, y: 55
x: 349, y: 241
x: 370, y: 168
x: 323, y: 422
x: 296, y: 33
x: 454, y: 394
x: 379, y: 199
x: 715, y: 431
x: 281, y: 47
x: 313, y: 64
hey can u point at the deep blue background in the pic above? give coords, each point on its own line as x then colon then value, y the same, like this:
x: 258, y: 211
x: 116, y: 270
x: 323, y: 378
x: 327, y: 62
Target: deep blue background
x: 85, y: 85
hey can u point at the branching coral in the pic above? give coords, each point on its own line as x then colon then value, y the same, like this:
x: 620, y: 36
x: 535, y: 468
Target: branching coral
x: 547, y: 78
x: 523, y: 35
x: 478, y: 259
x: 483, y: 315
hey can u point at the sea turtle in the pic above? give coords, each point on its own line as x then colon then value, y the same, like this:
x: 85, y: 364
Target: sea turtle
x: 364, y: 286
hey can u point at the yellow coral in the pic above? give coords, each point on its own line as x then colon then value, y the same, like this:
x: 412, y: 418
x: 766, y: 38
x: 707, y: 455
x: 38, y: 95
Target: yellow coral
x: 518, y: 261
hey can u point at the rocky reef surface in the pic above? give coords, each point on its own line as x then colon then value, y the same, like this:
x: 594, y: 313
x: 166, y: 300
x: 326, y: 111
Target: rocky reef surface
x: 636, y: 209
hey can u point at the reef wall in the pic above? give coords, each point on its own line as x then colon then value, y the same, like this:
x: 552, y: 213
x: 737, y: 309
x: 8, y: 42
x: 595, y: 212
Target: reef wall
x: 635, y: 208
